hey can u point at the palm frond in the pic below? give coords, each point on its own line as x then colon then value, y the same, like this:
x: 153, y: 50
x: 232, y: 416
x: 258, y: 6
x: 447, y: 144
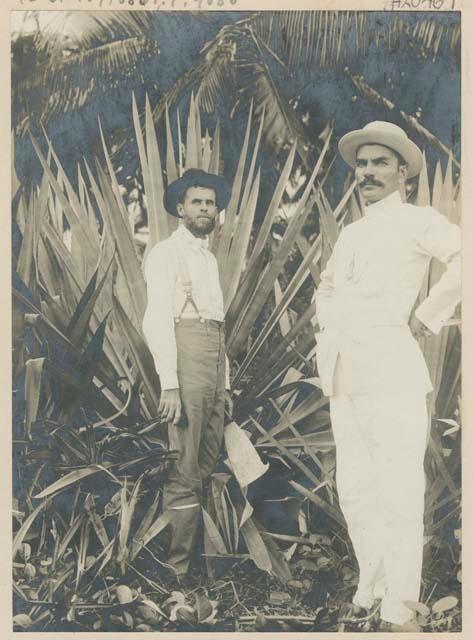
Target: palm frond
x: 67, y: 83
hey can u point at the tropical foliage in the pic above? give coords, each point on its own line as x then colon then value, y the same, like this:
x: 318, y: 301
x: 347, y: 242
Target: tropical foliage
x: 90, y: 455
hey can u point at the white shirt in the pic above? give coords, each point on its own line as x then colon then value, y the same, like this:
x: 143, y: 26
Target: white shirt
x: 369, y: 288
x: 166, y: 296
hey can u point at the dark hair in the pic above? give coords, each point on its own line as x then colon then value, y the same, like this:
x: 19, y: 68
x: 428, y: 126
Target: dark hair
x: 400, y: 159
x: 181, y: 196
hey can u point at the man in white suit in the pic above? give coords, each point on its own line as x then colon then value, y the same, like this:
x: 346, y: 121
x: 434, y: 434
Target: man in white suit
x: 371, y: 365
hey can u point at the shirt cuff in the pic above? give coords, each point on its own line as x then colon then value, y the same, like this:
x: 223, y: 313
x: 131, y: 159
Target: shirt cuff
x: 168, y: 380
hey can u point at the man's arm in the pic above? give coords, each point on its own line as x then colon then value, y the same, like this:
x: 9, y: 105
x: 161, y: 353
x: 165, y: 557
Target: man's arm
x: 324, y: 294
x: 158, y: 328
x: 442, y: 240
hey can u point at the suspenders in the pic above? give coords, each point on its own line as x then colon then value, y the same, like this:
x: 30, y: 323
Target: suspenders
x: 187, y: 286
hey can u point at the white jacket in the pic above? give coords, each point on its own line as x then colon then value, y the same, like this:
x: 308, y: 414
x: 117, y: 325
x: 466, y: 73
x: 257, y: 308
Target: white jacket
x: 368, y: 290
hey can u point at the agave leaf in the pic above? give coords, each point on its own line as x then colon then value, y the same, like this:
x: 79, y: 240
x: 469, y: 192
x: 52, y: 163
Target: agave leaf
x: 77, y: 328
x: 287, y: 453
x: 33, y: 373
x: 447, y: 203
x: 256, y: 546
x: 82, y: 551
x: 328, y: 221
x: 254, y: 263
x: 70, y: 478
x: 77, y: 228
x: 74, y: 527
x: 221, y: 509
x: 53, y: 310
x: 192, y: 146
x: 240, y: 243
x: 139, y: 353
x: 329, y: 510
x: 214, y: 543
x: 307, y: 448
x: 155, y: 198
x: 251, y: 171
x: 310, y: 405
x: 293, y: 287
x: 279, y: 565
x: 66, y: 361
x: 145, y: 170
x: 25, y: 527
x: 263, y: 289
x: 118, y: 199
x: 207, y: 152
x: 96, y: 521
x: 120, y: 231
x: 284, y: 320
x: 435, y: 448
x: 76, y: 452
x: 15, y: 183
x: 304, y: 247
x: 438, y: 187
x: 230, y: 212
x: 198, y: 133
x: 214, y: 165
x: 156, y: 528
x: 126, y: 515
x: 171, y: 167
x: 19, y: 210
x: 144, y: 527
x: 304, y: 207
x: 423, y: 189
x: 26, y: 265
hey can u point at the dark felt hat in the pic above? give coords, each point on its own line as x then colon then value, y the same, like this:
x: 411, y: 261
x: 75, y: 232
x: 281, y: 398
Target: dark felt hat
x: 196, y: 178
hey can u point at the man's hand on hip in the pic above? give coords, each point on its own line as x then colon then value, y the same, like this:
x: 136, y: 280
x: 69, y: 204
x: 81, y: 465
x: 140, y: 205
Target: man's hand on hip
x: 170, y: 407
x: 418, y: 328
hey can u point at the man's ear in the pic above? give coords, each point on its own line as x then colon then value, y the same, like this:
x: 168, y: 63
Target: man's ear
x: 403, y: 173
x: 179, y: 209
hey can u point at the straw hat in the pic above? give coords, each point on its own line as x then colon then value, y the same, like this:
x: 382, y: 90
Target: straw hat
x: 386, y: 134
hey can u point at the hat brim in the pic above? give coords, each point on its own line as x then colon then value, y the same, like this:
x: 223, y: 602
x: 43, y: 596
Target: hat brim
x: 174, y: 192
x: 352, y: 141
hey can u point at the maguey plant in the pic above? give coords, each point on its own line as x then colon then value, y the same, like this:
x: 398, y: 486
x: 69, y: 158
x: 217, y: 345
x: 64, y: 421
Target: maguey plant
x: 89, y: 452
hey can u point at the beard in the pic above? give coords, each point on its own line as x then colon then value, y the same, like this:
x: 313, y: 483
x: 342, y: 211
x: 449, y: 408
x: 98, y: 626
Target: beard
x: 201, y: 226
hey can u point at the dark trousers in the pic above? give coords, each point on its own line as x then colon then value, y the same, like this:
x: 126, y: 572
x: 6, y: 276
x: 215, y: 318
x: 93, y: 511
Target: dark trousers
x: 199, y: 435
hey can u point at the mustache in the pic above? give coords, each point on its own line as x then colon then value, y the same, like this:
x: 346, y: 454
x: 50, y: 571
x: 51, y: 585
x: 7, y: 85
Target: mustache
x: 369, y: 182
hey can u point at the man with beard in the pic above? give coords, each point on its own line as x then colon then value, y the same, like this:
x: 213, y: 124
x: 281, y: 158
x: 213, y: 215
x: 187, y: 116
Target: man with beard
x: 372, y: 367
x: 183, y: 325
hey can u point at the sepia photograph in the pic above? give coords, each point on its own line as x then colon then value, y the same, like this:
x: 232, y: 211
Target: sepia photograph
x: 236, y: 288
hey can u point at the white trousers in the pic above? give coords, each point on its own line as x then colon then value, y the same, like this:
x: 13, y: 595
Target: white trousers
x: 380, y: 445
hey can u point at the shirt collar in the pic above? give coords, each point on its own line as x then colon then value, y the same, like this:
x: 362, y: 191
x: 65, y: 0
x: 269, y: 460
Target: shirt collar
x: 393, y: 200
x: 189, y: 238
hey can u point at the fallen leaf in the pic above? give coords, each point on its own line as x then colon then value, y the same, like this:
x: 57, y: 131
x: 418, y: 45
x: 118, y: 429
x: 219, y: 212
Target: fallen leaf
x: 308, y: 565
x: 30, y: 571
x: 279, y: 597
x: 444, y: 604
x: 183, y: 612
x: 419, y: 607
x: 22, y: 620
x: 203, y: 606
x: 124, y: 594
x: 25, y: 551
x: 295, y: 584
